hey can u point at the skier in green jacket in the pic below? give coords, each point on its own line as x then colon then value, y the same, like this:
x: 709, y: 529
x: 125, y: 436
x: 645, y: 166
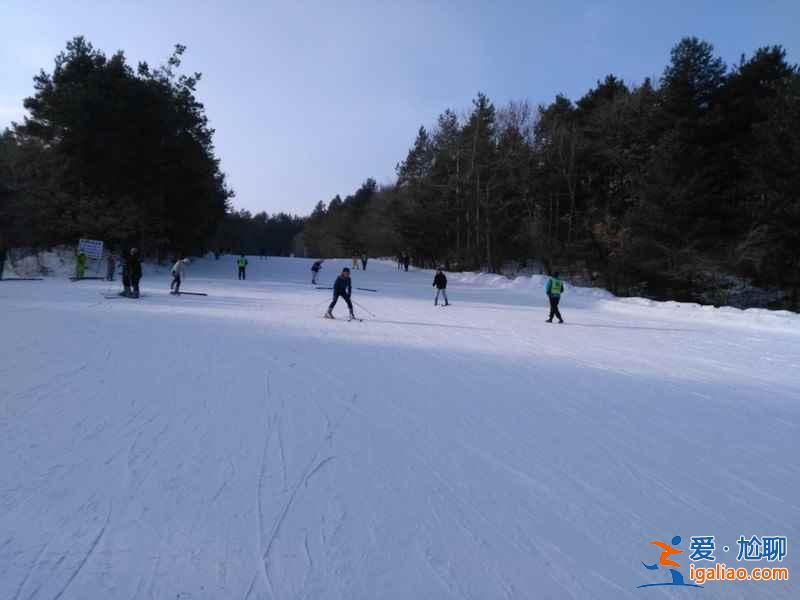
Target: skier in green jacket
x: 80, y: 266
x: 554, y: 289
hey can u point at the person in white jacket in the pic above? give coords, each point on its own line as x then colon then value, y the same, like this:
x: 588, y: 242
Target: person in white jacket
x: 178, y: 274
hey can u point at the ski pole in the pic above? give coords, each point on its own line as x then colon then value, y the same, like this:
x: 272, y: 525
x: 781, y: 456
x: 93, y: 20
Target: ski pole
x: 364, y: 309
x: 366, y: 289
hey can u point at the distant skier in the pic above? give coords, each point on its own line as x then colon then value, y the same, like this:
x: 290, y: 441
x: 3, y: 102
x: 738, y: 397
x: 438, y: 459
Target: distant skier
x: 355, y: 262
x: 178, y: 275
x: 133, y: 271
x: 111, y: 267
x: 343, y: 287
x: 406, y: 262
x: 554, y: 289
x: 80, y: 266
x: 315, y: 268
x: 241, y: 262
x: 440, y: 283
x: 364, y: 261
x: 2, y: 259
x: 126, y: 276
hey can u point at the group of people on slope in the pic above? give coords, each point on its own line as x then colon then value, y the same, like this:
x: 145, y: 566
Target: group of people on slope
x: 403, y: 260
x: 343, y: 287
x: 360, y: 262
x: 131, y: 273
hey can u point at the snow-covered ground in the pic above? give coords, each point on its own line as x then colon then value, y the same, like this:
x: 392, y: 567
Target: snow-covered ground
x: 240, y: 446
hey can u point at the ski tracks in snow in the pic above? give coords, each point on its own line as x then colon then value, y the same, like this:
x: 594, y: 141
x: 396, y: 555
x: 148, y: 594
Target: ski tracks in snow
x: 275, y: 466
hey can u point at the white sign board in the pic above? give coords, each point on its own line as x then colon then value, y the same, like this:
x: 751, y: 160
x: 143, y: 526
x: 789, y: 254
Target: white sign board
x: 91, y: 248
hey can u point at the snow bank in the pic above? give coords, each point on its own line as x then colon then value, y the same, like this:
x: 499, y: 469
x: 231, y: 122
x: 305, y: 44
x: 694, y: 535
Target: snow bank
x: 59, y: 262
x: 524, y: 283
x: 783, y: 321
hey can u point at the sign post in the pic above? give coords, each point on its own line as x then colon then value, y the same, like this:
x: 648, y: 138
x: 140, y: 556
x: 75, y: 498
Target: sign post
x: 91, y: 248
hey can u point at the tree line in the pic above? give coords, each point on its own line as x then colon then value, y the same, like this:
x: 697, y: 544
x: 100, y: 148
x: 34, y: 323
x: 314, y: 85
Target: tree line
x: 684, y: 188
x: 124, y: 154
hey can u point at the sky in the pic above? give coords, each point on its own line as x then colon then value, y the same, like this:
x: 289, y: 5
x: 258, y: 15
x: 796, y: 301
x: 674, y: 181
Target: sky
x: 309, y: 99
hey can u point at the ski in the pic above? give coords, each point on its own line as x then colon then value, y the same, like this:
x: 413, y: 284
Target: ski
x: 82, y: 278
x: 319, y: 287
x: 23, y: 279
x: 348, y: 319
x: 366, y: 289
x: 188, y: 294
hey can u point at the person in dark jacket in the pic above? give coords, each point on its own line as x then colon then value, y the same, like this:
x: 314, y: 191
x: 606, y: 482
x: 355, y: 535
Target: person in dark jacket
x: 2, y: 258
x: 440, y: 283
x: 364, y: 262
x: 111, y: 267
x: 343, y: 287
x: 554, y: 289
x: 133, y: 266
x: 406, y: 261
x: 126, y: 276
x: 315, y: 268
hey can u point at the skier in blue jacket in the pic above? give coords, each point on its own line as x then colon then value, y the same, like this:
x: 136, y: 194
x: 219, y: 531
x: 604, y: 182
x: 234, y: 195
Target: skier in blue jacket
x: 554, y: 289
x: 343, y: 287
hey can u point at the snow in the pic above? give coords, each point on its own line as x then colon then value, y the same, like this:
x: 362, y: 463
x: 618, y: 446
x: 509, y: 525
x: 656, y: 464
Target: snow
x: 240, y: 446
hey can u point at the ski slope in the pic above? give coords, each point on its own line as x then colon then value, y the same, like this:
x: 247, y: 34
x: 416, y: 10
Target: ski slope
x: 240, y: 446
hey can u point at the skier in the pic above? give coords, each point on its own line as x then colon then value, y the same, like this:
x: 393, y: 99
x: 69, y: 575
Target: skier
x: 111, y: 267
x: 355, y: 261
x: 440, y: 283
x: 80, y: 266
x: 364, y: 261
x: 315, y: 270
x: 343, y: 287
x: 126, y: 276
x: 178, y: 275
x: 2, y: 258
x: 406, y: 261
x: 241, y: 262
x: 554, y: 289
x: 133, y: 270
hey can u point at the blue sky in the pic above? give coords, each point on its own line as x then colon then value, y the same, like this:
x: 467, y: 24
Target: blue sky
x: 311, y: 98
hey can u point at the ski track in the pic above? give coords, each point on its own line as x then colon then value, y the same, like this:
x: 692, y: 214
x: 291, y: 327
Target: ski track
x: 472, y: 452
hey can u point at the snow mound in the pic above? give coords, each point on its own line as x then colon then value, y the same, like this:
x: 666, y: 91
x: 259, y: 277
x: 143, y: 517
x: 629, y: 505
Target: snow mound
x: 758, y: 318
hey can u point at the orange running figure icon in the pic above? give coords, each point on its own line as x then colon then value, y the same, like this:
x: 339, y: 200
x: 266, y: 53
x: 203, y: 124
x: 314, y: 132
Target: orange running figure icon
x: 668, y: 551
